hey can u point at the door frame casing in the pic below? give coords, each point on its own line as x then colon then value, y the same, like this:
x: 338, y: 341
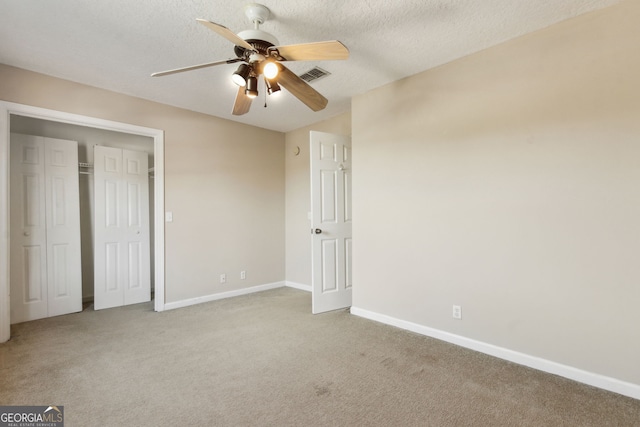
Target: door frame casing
x: 9, y: 108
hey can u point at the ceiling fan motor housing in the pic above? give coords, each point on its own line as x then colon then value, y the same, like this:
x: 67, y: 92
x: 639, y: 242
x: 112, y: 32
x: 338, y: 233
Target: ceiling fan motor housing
x: 260, y: 40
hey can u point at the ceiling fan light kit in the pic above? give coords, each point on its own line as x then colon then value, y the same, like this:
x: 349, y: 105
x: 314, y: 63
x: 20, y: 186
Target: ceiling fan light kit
x: 241, y: 75
x: 270, y: 69
x: 252, y: 87
x: 272, y: 86
x: 261, y: 54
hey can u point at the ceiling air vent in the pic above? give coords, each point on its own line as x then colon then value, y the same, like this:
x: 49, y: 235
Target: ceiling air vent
x: 314, y: 74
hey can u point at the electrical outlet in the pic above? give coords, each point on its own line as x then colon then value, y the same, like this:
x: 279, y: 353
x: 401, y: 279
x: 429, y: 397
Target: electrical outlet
x: 457, y: 312
x: 223, y: 278
x: 243, y: 275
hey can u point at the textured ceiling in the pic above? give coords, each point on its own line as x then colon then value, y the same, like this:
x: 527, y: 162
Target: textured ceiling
x: 117, y: 44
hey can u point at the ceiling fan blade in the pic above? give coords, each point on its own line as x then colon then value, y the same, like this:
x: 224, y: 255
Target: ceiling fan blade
x: 318, y: 51
x: 301, y: 89
x: 195, y: 67
x: 226, y: 33
x: 242, y: 104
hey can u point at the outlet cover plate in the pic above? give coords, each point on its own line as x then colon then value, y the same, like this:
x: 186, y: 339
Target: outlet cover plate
x: 457, y: 312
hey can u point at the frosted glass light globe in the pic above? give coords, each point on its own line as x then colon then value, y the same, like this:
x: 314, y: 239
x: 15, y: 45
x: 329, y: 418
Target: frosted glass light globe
x: 270, y: 70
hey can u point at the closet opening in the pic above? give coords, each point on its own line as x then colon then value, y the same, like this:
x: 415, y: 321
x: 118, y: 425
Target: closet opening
x: 88, y: 132
x: 88, y: 139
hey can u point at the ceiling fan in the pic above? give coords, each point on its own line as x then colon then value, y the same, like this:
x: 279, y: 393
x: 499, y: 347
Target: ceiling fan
x: 259, y: 55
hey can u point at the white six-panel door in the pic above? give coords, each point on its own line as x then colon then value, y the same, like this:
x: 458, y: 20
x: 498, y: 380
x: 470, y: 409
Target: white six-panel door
x: 122, y: 248
x: 64, y: 251
x: 29, y: 289
x: 331, y: 221
x: 45, y: 228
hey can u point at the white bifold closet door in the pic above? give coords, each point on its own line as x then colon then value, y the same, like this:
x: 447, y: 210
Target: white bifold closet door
x: 46, y: 277
x: 122, y: 249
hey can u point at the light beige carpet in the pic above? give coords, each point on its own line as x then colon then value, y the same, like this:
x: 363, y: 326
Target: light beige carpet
x: 264, y: 360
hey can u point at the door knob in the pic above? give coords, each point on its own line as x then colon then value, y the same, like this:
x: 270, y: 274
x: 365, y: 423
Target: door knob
x: 26, y: 233
x: 317, y: 231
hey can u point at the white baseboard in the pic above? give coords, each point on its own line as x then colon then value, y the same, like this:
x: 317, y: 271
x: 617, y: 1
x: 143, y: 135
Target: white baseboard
x: 222, y: 295
x: 596, y: 380
x: 298, y: 286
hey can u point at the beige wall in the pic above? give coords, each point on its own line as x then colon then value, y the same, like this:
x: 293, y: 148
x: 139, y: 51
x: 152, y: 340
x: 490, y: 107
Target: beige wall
x: 298, y: 197
x: 508, y: 182
x: 224, y: 183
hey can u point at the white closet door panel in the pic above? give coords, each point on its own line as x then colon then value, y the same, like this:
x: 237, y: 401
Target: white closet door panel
x: 64, y: 266
x: 122, y: 251
x: 28, y: 266
x: 135, y: 262
x: 111, y: 204
x: 109, y: 265
x: 45, y: 228
x: 137, y: 233
x: 29, y: 299
x: 32, y: 260
x: 61, y: 286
